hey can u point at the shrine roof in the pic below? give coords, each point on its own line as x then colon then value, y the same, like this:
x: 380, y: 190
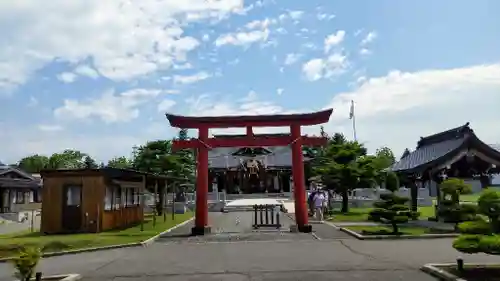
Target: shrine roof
x: 222, y: 158
x: 192, y: 122
x: 438, y: 148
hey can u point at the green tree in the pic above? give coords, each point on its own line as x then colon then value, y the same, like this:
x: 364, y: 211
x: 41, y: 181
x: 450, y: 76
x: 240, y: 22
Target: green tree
x: 90, y: 163
x: 384, y: 158
x: 156, y: 157
x: 34, y: 163
x: 392, y: 209
x: 342, y: 168
x: 68, y: 159
x: 185, y: 163
x: 339, y: 139
x: 121, y: 162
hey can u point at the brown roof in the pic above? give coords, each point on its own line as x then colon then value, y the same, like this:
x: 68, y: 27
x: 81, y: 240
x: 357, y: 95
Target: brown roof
x: 191, y: 122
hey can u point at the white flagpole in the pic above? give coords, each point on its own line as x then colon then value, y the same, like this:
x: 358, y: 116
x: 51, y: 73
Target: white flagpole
x: 352, y: 116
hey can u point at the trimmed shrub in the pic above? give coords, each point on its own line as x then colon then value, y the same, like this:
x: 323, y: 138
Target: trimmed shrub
x: 392, y: 210
x: 25, y: 264
x: 481, y: 236
x: 450, y: 209
x: 475, y: 227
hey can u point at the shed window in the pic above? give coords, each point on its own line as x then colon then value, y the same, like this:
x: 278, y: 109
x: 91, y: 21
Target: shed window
x: 130, y: 197
x: 108, y: 198
x: 19, y: 197
x: 136, y: 196
x: 118, y: 197
x: 31, y: 196
x: 73, y: 195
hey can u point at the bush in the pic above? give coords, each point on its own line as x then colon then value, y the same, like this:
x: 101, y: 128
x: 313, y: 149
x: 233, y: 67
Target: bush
x: 449, y: 207
x: 480, y: 236
x: 468, y: 244
x: 475, y: 227
x: 25, y: 264
x: 392, y: 210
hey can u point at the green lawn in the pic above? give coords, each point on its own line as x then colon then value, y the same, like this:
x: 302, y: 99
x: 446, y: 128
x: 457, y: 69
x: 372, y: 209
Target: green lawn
x: 361, y: 214
x: 383, y: 230
x: 11, y: 243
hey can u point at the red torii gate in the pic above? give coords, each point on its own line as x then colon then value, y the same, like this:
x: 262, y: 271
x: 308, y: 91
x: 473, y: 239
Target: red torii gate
x: 204, y: 143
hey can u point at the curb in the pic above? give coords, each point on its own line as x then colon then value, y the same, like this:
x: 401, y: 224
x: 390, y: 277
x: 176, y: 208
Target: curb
x: 144, y: 243
x: 434, y: 271
x: 149, y: 241
x: 397, y: 237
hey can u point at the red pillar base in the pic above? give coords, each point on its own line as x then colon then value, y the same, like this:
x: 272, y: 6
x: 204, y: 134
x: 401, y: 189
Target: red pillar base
x: 306, y: 228
x: 197, y: 231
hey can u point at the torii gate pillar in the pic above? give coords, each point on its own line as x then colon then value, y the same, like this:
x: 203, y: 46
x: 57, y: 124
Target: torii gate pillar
x: 204, y: 143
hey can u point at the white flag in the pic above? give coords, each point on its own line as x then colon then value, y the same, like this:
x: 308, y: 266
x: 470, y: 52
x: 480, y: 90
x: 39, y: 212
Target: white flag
x: 351, y: 112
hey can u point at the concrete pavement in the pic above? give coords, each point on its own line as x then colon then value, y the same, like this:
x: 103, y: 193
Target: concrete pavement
x: 258, y: 256
x: 341, y: 259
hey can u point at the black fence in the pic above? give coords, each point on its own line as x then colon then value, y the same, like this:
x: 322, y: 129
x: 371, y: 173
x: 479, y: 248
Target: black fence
x: 266, y: 216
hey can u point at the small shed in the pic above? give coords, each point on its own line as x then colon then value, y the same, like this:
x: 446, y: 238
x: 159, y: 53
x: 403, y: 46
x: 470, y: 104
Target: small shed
x: 93, y: 200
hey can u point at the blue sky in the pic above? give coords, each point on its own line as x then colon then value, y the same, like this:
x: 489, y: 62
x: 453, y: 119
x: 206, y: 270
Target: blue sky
x: 99, y: 77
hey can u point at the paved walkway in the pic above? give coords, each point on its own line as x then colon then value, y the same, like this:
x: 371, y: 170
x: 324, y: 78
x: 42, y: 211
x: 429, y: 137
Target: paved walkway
x: 293, y: 260
x: 262, y: 256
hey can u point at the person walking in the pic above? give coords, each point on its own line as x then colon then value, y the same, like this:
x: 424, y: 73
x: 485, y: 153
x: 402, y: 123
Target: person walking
x: 319, y: 201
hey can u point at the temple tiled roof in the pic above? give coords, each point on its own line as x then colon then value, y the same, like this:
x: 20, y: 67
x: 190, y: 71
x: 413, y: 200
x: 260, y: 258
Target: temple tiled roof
x: 427, y: 154
x: 222, y: 158
x: 437, y: 147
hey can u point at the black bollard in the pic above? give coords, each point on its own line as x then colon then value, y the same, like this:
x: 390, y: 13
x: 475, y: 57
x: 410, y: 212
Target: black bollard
x: 261, y: 214
x: 278, y: 224
x: 460, y: 265
x: 255, y: 223
x: 38, y: 276
x: 267, y: 213
x: 272, y: 215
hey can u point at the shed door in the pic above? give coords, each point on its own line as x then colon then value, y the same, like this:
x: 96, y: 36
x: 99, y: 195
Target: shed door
x: 72, y: 208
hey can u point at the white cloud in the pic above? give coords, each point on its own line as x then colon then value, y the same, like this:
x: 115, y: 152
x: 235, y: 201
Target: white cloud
x: 395, y: 110
x: 369, y: 38
x: 67, y: 77
x: 292, y: 58
x: 109, y: 107
x: 189, y: 79
x: 50, y: 128
x: 313, y: 69
x: 260, y: 24
x: 325, y: 17
x: 124, y: 39
x: 365, y: 52
x: 329, y: 67
x: 165, y: 105
x: 242, y: 38
x: 296, y: 15
x: 86, y: 70
x: 186, y: 65
x: 280, y: 91
x: 334, y: 39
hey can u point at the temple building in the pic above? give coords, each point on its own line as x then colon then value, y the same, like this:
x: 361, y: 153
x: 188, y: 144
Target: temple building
x: 458, y: 153
x: 251, y: 169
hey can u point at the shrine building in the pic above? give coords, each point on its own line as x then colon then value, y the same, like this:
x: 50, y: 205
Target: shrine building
x: 263, y: 169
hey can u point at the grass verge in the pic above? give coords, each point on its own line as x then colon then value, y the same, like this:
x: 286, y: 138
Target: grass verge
x: 11, y: 243
x: 403, y: 230
x: 361, y: 214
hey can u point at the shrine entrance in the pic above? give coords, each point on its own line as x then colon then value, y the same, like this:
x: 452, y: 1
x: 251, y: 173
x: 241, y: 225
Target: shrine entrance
x: 203, y: 143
